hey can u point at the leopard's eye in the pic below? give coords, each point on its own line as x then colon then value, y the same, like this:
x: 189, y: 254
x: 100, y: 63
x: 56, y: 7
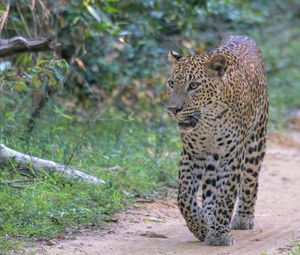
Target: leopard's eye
x: 171, y: 84
x: 193, y: 86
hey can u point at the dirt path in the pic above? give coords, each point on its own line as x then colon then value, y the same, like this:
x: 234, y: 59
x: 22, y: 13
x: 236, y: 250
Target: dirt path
x: 158, y: 228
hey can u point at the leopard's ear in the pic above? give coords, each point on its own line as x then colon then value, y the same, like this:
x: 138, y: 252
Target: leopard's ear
x: 173, y: 56
x: 217, y: 65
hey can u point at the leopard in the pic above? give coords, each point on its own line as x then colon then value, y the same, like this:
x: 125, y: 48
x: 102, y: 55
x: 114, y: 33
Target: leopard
x: 219, y: 101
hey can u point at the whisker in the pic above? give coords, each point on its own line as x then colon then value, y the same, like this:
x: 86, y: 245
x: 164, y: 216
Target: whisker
x: 197, y: 116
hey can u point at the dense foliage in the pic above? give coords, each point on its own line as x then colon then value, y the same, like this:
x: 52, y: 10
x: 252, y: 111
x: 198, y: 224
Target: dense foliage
x: 117, y: 49
x: 96, y: 101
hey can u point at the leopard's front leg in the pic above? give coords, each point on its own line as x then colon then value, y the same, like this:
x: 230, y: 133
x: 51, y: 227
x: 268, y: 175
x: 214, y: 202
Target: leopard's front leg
x: 190, y: 175
x: 228, y: 176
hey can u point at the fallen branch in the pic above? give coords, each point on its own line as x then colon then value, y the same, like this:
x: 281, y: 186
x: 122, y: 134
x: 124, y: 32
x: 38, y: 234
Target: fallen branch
x: 16, y: 186
x: 16, y: 181
x: 20, y: 44
x: 36, y: 164
x: 12, y: 183
x: 112, y: 168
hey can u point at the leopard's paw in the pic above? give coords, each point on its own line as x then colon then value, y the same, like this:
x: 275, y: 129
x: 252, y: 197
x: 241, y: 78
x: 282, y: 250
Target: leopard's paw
x: 219, y: 240
x: 242, y: 223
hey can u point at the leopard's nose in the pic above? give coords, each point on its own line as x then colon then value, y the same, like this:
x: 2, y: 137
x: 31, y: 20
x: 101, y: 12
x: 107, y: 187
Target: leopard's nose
x: 174, y: 109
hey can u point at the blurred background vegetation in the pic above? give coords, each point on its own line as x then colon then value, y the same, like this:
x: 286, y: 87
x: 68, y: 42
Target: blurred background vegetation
x: 96, y: 102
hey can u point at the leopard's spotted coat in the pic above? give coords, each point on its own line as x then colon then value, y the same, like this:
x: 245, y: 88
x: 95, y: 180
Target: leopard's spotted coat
x: 220, y: 103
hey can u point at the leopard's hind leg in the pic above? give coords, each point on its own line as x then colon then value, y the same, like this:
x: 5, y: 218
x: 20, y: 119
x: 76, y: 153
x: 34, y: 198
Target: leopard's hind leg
x: 254, y: 154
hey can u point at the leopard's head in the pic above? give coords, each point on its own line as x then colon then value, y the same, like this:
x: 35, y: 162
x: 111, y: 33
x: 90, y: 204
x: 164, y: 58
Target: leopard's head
x: 194, y: 88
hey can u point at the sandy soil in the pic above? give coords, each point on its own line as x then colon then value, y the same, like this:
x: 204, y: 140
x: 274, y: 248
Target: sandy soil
x: 158, y: 228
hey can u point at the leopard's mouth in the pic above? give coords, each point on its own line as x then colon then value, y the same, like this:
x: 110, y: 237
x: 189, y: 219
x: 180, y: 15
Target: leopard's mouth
x: 188, y: 124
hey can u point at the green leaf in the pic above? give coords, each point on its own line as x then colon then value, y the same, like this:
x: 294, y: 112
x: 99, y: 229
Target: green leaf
x: 52, y: 80
x: 20, y: 86
x: 42, y: 61
x: 2, y: 7
x: 93, y: 12
x: 36, y: 81
x: 61, y: 113
x: 58, y: 73
x: 110, y: 9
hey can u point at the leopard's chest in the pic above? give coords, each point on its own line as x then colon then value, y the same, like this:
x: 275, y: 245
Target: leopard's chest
x: 222, y: 137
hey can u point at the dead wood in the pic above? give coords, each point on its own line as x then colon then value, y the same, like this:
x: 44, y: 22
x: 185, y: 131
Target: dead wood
x: 19, y: 44
x: 8, y: 156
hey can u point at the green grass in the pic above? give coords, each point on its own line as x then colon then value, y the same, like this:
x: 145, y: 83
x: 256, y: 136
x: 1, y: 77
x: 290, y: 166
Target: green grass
x: 296, y: 248
x: 292, y: 249
x: 50, y: 204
